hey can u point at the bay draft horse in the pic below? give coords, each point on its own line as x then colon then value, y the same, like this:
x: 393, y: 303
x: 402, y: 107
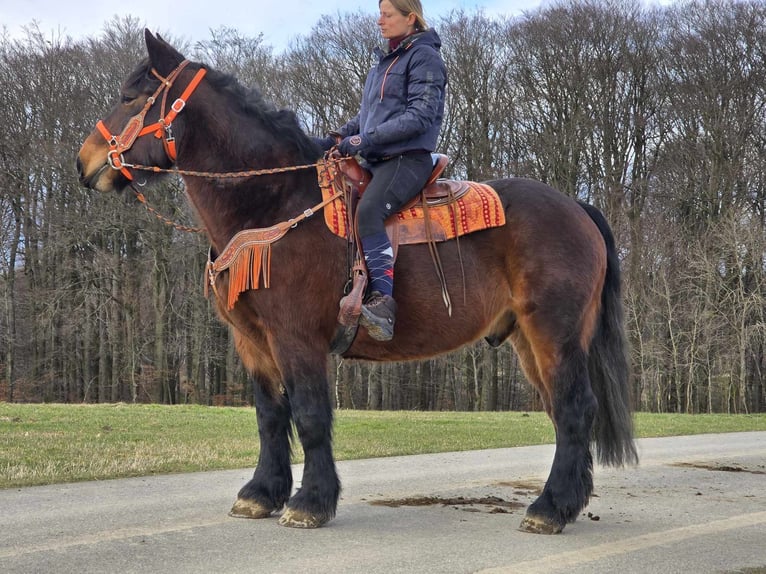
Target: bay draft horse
x: 548, y: 281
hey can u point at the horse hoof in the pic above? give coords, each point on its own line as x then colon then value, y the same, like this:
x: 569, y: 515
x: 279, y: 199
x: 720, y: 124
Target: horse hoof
x: 536, y: 525
x: 244, y: 508
x: 299, y: 519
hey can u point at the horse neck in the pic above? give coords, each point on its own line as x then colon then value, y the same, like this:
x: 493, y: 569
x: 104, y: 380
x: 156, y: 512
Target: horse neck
x: 226, y: 205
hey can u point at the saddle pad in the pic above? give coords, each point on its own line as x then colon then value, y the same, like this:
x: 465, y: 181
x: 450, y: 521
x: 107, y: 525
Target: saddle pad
x: 480, y: 208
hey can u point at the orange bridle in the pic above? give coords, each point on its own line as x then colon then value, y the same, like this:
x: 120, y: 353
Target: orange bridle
x: 134, y: 129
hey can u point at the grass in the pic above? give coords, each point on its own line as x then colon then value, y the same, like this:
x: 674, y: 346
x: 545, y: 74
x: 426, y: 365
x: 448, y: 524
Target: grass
x: 45, y: 444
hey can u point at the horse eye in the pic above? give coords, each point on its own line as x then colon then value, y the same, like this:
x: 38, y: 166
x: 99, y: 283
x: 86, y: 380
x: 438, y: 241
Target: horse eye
x: 127, y: 99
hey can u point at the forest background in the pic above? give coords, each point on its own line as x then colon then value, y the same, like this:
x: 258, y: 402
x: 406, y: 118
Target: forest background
x: 656, y: 115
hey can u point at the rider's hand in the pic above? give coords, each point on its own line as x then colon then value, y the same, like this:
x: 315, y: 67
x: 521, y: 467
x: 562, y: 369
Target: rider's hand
x: 352, y: 145
x: 325, y: 143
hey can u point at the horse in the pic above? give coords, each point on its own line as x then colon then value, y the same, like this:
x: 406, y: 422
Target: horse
x: 548, y: 281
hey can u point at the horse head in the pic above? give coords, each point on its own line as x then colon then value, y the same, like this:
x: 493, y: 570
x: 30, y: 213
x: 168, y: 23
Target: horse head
x: 139, y: 129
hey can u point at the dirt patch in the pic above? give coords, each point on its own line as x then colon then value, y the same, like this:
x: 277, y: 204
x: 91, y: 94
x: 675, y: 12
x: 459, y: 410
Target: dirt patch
x: 523, y: 487
x: 721, y: 467
x: 488, y: 504
x: 10, y: 419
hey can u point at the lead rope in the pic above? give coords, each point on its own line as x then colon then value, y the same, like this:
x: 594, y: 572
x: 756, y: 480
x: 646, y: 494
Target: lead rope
x: 167, y: 221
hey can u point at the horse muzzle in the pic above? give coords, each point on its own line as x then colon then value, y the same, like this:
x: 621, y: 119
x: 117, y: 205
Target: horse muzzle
x: 98, y: 176
x: 93, y: 168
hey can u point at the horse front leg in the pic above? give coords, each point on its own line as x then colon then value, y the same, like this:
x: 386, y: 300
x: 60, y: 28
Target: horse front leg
x: 316, y: 500
x: 272, y: 482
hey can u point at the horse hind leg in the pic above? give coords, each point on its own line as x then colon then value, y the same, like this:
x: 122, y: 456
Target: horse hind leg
x: 561, y: 374
x: 529, y: 367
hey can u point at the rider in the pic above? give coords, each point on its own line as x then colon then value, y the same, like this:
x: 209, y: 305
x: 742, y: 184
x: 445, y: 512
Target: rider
x: 393, y: 135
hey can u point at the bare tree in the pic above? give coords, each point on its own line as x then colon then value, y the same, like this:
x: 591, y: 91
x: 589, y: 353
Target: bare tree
x: 655, y: 115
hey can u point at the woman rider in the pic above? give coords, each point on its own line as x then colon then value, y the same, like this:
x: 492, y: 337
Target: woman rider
x: 393, y: 134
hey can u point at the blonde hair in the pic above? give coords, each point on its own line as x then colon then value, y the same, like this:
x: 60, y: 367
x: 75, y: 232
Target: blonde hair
x: 407, y: 7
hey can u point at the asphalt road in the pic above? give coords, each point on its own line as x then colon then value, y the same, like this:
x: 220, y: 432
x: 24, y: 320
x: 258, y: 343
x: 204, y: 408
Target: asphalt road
x: 695, y: 504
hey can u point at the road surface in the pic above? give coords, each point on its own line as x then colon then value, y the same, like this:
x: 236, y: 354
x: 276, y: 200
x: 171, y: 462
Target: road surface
x: 694, y: 504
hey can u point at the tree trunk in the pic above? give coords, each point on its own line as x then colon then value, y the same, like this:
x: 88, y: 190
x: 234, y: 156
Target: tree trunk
x: 10, y: 305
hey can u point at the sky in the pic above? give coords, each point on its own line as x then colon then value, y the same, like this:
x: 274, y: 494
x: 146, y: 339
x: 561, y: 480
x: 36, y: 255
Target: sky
x: 278, y: 20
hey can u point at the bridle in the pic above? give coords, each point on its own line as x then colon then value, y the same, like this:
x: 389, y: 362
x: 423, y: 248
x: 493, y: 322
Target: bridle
x: 134, y: 129
x: 162, y: 128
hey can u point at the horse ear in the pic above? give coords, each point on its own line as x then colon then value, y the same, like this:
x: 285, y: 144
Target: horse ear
x: 163, y: 56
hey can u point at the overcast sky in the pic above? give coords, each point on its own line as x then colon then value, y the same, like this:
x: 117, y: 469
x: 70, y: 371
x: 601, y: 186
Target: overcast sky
x: 277, y: 20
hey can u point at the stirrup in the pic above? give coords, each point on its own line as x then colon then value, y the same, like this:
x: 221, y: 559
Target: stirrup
x: 379, y: 327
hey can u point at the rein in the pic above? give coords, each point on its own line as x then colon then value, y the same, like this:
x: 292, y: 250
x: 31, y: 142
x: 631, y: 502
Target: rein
x: 225, y: 175
x: 286, y: 225
x: 166, y: 220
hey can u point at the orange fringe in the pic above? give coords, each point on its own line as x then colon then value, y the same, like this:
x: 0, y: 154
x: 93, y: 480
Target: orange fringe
x: 245, y: 272
x: 247, y: 257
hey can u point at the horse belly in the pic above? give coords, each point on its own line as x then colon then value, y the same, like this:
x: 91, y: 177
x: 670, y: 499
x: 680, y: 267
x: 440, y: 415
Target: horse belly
x: 479, y: 292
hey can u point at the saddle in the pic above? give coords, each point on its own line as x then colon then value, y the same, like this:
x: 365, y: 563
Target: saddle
x: 436, y: 192
x: 444, y: 209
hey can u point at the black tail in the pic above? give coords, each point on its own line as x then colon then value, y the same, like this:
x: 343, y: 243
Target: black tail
x: 608, y: 363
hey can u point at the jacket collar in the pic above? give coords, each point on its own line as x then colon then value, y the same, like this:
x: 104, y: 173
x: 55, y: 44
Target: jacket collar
x: 404, y: 45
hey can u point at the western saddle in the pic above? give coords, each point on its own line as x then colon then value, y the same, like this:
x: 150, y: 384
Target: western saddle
x: 435, y: 192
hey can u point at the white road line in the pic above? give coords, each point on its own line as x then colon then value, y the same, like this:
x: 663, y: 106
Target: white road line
x: 572, y: 558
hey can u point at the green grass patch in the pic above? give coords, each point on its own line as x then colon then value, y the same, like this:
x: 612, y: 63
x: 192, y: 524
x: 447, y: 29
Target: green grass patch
x: 45, y: 444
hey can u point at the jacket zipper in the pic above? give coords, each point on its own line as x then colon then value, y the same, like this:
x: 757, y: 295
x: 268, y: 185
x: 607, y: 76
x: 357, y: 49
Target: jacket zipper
x: 385, y: 76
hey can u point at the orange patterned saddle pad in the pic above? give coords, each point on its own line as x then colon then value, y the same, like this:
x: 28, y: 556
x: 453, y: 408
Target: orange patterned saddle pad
x: 474, y: 207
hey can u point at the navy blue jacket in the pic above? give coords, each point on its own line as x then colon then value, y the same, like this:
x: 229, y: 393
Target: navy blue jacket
x: 403, y: 100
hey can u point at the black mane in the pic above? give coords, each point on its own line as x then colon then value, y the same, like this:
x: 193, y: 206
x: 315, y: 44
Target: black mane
x: 250, y: 101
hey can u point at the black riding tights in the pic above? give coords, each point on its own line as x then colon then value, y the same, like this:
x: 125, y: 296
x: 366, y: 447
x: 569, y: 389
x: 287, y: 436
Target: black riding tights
x: 394, y: 182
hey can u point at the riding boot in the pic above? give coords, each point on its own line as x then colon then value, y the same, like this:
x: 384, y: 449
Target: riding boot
x: 379, y: 310
x: 378, y: 316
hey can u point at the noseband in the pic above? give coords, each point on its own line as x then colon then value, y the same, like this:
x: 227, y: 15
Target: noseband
x: 134, y: 129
